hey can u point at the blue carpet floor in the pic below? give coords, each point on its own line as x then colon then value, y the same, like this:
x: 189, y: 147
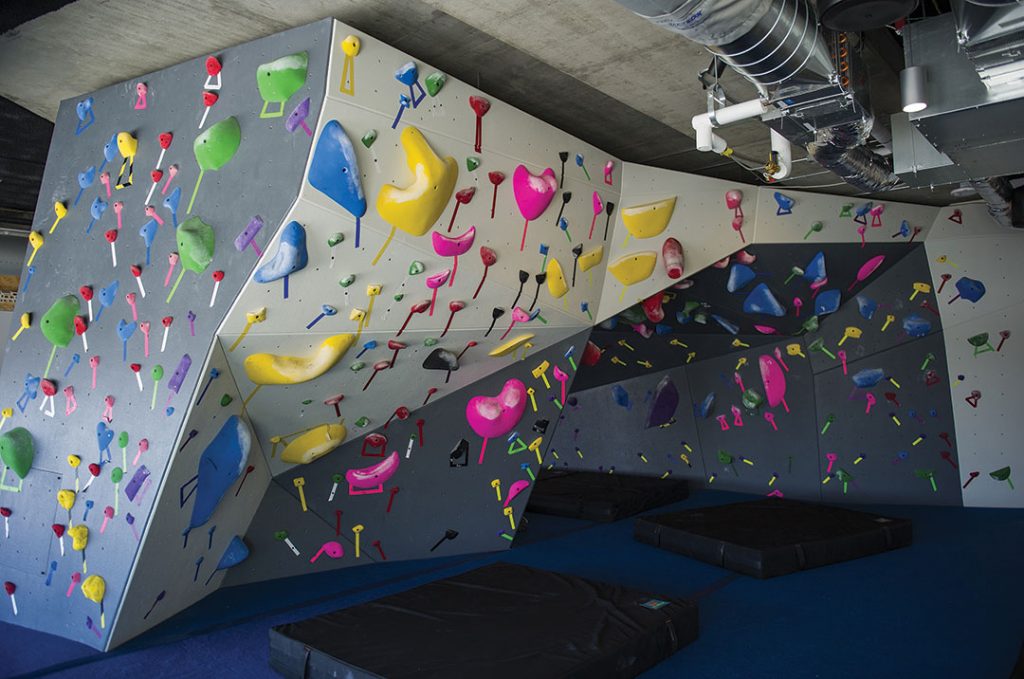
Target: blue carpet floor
x: 948, y: 606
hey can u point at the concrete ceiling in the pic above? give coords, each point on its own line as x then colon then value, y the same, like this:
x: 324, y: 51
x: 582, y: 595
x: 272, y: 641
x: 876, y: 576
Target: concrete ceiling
x: 589, y: 67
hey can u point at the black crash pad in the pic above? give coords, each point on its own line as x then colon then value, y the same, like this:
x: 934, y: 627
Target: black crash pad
x: 602, y: 497
x: 501, y: 620
x: 771, y: 537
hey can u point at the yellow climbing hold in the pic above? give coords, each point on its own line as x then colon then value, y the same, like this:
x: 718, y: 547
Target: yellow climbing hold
x: 556, y: 279
x: 66, y: 498
x: 79, y: 537
x: 633, y: 268
x: 511, y: 345
x: 588, y: 260
x: 415, y: 208
x: 650, y: 219
x: 94, y: 588
x: 274, y: 369
x: 314, y: 444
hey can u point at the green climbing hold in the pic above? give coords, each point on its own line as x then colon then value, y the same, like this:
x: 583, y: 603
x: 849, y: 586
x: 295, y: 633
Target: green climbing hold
x: 724, y: 457
x: 278, y: 80
x: 369, y: 138
x: 399, y: 297
x: 752, y: 399
x: 281, y: 535
x: 634, y: 315
x: 416, y: 267
x: 337, y: 237
x: 157, y: 372
x: 337, y: 478
x: 357, y: 366
x: 116, y: 474
x: 58, y: 324
x: 307, y: 401
x: 215, y: 147
x: 226, y: 400
x: 999, y: 475
x: 18, y: 451
x: 430, y: 341
x: 122, y: 440
x: 434, y: 83
x: 362, y: 421
x: 347, y: 280
x: 195, y: 244
x: 472, y: 163
x: 810, y: 325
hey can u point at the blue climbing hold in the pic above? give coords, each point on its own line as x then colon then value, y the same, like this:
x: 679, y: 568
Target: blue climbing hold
x: 869, y: 377
x: 739, y: 276
x: 729, y: 326
x: 220, y: 465
x: 407, y: 74
x: 171, y: 203
x: 662, y: 329
x: 785, y: 204
x: 867, y: 307
x: 236, y: 553
x: 621, y: 397
x: 915, y: 326
x: 104, y: 436
x: 762, y: 301
x: 815, y: 270
x: 827, y: 302
x: 334, y: 170
x: 970, y: 289
x: 291, y: 255
x: 706, y: 406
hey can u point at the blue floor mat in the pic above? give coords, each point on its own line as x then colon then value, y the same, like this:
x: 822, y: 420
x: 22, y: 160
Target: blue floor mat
x: 949, y: 605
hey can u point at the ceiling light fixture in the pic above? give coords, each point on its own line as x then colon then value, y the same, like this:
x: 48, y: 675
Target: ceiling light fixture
x: 913, y: 81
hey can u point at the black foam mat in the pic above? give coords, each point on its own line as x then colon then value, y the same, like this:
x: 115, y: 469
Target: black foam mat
x: 502, y: 620
x: 602, y: 497
x: 771, y: 537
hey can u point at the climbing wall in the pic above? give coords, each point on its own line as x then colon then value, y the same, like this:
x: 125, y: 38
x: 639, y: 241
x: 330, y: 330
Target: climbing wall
x: 130, y: 432
x: 810, y: 364
x: 378, y: 303
x: 965, y: 249
x: 389, y: 402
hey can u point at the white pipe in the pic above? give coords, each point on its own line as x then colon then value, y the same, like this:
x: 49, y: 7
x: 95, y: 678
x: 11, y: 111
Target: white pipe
x: 704, y: 123
x: 784, y: 155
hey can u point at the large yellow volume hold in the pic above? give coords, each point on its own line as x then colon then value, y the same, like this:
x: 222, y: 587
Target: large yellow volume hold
x: 650, y: 219
x: 556, y: 279
x: 415, y: 208
x: 633, y: 268
x: 274, y: 369
x: 314, y: 444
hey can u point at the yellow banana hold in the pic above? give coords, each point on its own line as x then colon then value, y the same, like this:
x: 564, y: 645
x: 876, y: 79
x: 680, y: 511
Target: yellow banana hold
x: 274, y: 369
x: 314, y: 444
x: 511, y: 345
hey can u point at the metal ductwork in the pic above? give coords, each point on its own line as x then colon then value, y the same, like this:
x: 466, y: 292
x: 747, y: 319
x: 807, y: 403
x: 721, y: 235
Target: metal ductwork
x: 998, y: 195
x: 810, y: 76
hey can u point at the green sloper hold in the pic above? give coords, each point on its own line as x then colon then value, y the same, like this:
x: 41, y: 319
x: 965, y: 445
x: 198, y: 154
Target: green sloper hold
x: 434, y: 83
x: 279, y: 79
x: 58, y: 324
x: 195, y: 244
x: 18, y: 451
x: 218, y: 144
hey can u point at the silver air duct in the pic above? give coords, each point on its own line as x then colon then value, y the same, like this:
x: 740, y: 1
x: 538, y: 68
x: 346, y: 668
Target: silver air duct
x: 803, y: 70
x: 998, y: 194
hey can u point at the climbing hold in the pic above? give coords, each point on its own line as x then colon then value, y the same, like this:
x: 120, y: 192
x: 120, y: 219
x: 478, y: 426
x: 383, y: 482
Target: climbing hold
x: 650, y: 219
x: 18, y: 451
x: 278, y: 80
x: 314, y: 444
x: 220, y: 465
x: 291, y: 255
x: 633, y: 268
x: 195, y: 244
x: 415, y: 208
x: 275, y: 369
x: 434, y: 83
x: 58, y: 323
x: 762, y: 301
x: 556, y: 279
x: 739, y: 276
x: 334, y: 171
x: 663, y: 403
